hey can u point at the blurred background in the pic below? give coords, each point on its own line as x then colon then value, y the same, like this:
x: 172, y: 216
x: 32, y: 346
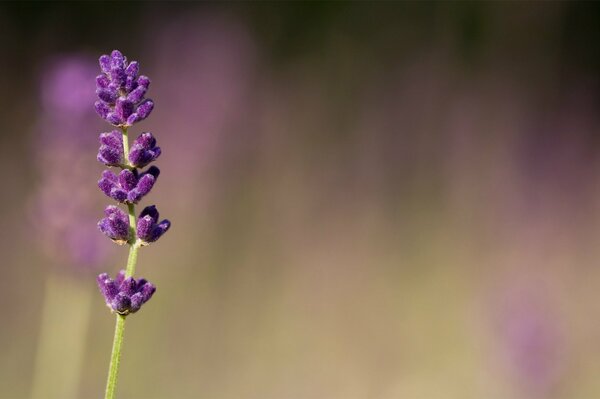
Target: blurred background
x: 369, y: 200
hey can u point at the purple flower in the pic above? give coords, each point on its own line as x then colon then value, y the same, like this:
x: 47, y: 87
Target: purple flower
x: 121, y: 91
x: 125, y: 295
x: 111, y: 148
x: 115, y: 225
x: 129, y: 186
x: 121, y: 102
x: 148, y: 227
x: 144, y: 150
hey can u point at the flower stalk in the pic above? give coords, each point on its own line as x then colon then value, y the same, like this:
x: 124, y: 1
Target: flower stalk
x: 115, y: 358
x: 121, y: 102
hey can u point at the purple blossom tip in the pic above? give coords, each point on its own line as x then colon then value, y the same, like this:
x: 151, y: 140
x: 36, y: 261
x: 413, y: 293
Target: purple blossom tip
x: 111, y: 148
x: 144, y: 150
x: 102, y: 109
x: 125, y: 295
x: 144, y: 81
x: 132, y: 69
x: 124, y: 108
x: 121, y: 91
x: 115, y: 225
x: 129, y: 186
x: 105, y: 63
x: 148, y: 228
x: 142, y: 112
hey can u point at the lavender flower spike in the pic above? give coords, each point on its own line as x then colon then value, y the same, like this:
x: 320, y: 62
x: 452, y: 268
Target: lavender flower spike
x: 115, y: 225
x: 148, y: 227
x: 121, y: 91
x: 129, y: 186
x: 125, y: 295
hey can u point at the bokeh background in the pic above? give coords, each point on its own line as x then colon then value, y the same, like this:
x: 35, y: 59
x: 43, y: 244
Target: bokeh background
x: 369, y: 200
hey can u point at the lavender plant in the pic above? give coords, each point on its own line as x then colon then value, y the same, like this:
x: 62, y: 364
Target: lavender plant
x: 122, y: 103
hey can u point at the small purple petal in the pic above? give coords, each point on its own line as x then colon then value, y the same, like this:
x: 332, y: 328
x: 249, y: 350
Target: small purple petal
x: 102, y: 81
x: 160, y: 229
x: 128, y: 180
x: 101, y: 277
x: 113, y: 118
x: 144, y: 109
x: 112, y: 139
x: 107, y: 182
x: 118, y: 194
x: 112, y: 289
x: 128, y: 286
x: 143, y: 81
x: 105, y: 63
x: 134, y: 196
x: 150, y: 211
x: 133, y: 118
x: 147, y: 291
x: 124, y: 108
x: 145, y: 184
x: 117, y: 59
x: 110, y: 156
x: 118, y: 76
x: 137, y: 300
x: 113, y: 210
x: 144, y: 226
x: 102, y: 108
x: 120, y: 277
x: 142, y: 189
x: 153, y: 232
x: 140, y: 284
x: 120, y: 225
x: 153, y: 171
x: 146, y: 140
x: 107, y: 95
x: 115, y: 225
x: 137, y: 95
x: 121, y: 303
x: 107, y: 174
x: 133, y: 68
x: 107, y: 287
x: 130, y: 84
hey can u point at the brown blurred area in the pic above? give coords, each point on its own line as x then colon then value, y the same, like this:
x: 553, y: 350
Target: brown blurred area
x: 369, y: 200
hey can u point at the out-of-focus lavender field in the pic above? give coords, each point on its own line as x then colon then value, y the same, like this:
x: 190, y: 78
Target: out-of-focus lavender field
x: 369, y: 200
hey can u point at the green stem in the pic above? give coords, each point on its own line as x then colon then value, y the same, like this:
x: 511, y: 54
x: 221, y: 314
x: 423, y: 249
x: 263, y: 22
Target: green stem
x: 134, y: 246
x: 115, y: 358
x: 125, y: 146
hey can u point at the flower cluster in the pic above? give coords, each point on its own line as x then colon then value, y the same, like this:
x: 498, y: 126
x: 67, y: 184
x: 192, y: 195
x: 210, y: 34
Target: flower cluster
x: 148, y: 229
x: 121, y: 91
x: 125, y: 295
x: 129, y: 186
x: 143, y: 150
x: 121, y: 102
